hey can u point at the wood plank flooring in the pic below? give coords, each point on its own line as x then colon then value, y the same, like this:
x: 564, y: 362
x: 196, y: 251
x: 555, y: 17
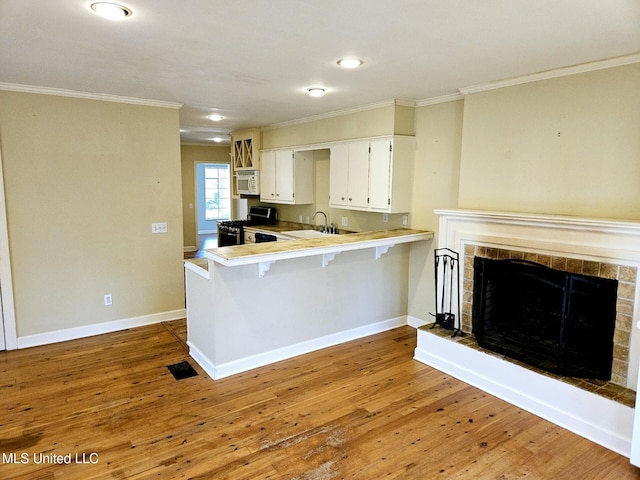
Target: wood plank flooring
x: 361, y: 410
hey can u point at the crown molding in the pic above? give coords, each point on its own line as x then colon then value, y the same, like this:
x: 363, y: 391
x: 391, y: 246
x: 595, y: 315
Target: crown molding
x: 405, y: 102
x: 60, y: 92
x: 338, y: 113
x: 555, y: 73
x: 452, y: 97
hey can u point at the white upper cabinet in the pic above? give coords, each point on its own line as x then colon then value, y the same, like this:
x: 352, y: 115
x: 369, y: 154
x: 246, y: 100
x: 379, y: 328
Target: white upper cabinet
x: 390, y: 174
x: 286, y: 177
x: 338, y: 175
x: 372, y: 175
x: 380, y: 174
x: 349, y: 175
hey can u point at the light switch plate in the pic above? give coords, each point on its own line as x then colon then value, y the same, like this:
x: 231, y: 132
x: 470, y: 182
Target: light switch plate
x: 160, y: 227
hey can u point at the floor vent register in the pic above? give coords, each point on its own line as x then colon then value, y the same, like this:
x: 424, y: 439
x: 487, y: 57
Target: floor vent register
x: 182, y: 370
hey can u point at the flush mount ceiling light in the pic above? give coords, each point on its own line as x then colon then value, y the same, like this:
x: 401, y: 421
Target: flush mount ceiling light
x: 316, y: 91
x: 350, y: 62
x: 217, y: 139
x: 112, y: 11
x: 215, y: 117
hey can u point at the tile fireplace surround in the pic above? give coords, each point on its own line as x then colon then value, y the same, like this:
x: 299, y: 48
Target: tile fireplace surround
x: 598, y: 247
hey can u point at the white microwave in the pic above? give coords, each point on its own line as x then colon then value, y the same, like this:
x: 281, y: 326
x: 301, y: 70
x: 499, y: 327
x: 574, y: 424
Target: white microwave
x: 248, y: 182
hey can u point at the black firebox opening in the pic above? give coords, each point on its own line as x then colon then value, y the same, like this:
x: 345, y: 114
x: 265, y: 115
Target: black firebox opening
x: 558, y: 321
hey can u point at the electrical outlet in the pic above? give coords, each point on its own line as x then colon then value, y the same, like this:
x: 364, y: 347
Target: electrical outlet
x: 405, y: 220
x: 385, y: 217
x: 160, y: 227
x: 345, y: 221
x: 107, y: 299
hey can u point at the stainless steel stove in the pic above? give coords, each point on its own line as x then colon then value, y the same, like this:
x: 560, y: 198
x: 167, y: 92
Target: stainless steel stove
x: 231, y: 232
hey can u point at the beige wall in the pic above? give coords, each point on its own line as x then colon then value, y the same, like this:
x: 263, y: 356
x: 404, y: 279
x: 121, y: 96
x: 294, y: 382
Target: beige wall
x: 192, y: 154
x: 371, y: 122
x: 568, y: 145
x: 84, y: 181
x: 435, y: 185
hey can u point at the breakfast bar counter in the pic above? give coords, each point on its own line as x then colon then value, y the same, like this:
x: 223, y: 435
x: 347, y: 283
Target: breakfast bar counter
x: 327, y: 245
x: 256, y: 304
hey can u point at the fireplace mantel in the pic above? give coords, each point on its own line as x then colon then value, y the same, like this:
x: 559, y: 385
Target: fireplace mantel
x: 607, y: 241
x: 624, y: 228
x: 543, y: 219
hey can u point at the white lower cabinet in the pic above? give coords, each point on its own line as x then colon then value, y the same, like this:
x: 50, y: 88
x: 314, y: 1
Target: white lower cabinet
x: 286, y: 177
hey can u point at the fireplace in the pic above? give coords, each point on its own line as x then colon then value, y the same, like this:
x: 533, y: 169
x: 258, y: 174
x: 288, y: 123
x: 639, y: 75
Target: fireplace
x: 600, y: 410
x: 622, y: 275
x: 558, y: 321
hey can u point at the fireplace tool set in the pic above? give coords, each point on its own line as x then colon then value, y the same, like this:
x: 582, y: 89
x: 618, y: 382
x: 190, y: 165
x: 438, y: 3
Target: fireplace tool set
x: 447, y: 286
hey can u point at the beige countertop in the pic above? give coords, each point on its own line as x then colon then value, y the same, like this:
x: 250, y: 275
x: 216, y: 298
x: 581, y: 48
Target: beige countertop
x: 271, y: 251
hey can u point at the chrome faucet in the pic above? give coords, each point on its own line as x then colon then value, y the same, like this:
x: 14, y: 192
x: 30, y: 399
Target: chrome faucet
x: 325, y: 227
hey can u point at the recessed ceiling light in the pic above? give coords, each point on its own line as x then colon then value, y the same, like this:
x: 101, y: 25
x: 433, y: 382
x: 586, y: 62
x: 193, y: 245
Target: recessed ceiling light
x: 112, y: 11
x: 316, y: 91
x: 217, y: 139
x: 215, y: 117
x: 350, y: 62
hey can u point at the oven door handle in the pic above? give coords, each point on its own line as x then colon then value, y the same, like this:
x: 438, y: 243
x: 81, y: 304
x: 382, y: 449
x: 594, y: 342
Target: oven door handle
x: 265, y: 237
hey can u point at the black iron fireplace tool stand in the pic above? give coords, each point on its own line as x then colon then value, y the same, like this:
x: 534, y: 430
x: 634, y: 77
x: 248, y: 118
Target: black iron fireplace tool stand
x: 447, y: 286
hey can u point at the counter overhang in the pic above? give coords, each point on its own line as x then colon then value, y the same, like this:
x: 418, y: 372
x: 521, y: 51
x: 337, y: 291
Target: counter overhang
x: 264, y: 254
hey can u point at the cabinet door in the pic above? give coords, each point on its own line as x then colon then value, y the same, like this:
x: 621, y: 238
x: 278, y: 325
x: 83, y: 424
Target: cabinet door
x: 380, y: 175
x: 284, y: 176
x: 358, y: 174
x: 268, y: 177
x: 338, y: 174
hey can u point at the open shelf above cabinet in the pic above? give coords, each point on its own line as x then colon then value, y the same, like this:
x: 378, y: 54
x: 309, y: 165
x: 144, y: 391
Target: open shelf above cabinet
x: 245, y: 150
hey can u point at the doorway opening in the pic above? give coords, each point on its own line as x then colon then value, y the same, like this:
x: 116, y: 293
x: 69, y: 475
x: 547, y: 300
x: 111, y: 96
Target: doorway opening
x: 213, y: 196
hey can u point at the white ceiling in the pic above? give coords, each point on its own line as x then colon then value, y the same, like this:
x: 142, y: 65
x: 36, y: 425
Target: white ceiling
x: 251, y: 60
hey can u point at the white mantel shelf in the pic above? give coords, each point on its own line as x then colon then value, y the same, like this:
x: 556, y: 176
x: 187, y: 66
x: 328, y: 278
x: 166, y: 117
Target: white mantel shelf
x: 265, y: 254
x: 620, y: 226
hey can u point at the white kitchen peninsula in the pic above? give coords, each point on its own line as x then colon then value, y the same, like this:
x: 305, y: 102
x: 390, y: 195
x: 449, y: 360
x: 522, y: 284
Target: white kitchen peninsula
x: 255, y: 304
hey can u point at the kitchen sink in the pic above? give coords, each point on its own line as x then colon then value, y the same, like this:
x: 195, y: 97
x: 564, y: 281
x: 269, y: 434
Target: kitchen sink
x: 305, y: 233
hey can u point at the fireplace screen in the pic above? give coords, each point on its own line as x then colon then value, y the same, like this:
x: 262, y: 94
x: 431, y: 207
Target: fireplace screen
x: 558, y: 321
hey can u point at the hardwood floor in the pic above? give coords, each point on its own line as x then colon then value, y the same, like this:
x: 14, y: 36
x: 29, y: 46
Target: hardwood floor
x: 204, y: 242
x: 360, y: 410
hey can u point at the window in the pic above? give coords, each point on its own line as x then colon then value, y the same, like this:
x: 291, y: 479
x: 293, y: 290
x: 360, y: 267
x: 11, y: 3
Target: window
x: 217, y: 192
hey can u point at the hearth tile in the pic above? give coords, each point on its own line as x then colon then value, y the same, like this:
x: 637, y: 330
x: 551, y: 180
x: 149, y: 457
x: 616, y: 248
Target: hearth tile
x: 591, y: 268
x: 628, y: 274
x: 559, y: 263
x: 626, y: 290
x: 574, y: 265
x: 544, y: 260
x: 608, y: 270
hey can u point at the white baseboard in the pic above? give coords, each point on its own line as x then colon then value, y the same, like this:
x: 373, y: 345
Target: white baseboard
x: 98, y: 328
x: 416, y: 322
x: 260, y: 360
x: 591, y: 416
x: 208, y: 367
